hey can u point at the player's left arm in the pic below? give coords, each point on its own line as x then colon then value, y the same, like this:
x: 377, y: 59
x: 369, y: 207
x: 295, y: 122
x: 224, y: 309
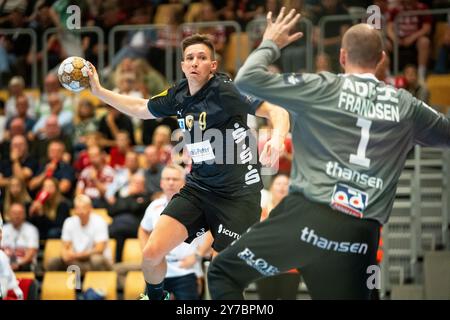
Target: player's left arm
x: 280, y: 122
x: 431, y: 128
x: 239, y: 103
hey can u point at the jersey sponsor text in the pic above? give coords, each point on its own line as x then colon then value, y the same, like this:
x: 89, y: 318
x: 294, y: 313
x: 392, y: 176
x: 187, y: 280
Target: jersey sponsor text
x: 309, y: 236
x: 358, y: 97
x: 261, y: 265
x: 333, y: 169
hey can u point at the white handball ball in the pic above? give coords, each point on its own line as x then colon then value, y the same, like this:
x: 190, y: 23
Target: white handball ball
x: 73, y: 74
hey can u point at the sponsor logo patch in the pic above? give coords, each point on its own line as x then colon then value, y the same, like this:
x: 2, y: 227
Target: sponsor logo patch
x: 181, y: 124
x: 308, y: 235
x: 261, y: 265
x: 292, y: 78
x: 229, y: 233
x: 201, y: 232
x: 189, y: 122
x: 349, y: 200
x: 200, y: 151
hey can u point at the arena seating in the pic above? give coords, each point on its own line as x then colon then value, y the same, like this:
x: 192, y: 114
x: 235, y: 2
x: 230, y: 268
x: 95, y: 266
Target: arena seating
x: 55, y: 286
x: 134, y: 285
x: 105, y: 281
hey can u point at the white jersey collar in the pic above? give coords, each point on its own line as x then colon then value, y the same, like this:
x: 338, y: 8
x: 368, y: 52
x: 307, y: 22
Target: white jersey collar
x: 368, y: 76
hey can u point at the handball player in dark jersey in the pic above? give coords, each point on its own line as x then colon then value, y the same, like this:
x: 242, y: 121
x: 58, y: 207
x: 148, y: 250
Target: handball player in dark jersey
x: 222, y: 191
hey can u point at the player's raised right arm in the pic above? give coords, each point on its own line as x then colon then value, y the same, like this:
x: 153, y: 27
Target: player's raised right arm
x: 132, y: 106
x: 254, y: 77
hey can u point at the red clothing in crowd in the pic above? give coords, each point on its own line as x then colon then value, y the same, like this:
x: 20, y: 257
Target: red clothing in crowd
x: 408, y: 25
x: 117, y: 158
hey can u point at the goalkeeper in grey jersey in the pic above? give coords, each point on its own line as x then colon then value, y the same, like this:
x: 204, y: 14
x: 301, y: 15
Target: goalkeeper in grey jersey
x: 351, y: 135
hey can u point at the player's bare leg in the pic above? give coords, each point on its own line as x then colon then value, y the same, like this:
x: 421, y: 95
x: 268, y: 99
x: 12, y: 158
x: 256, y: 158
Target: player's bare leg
x: 168, y: 234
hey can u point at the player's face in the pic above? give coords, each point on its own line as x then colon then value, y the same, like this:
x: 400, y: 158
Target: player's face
x: 197, y: 64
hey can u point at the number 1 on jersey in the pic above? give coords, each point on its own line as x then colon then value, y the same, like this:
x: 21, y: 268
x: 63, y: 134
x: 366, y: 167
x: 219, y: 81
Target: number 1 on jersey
x: 360, y: 157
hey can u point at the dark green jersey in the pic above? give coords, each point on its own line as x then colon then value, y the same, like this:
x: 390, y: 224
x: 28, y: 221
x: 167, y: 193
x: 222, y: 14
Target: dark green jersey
x: 351, y: 132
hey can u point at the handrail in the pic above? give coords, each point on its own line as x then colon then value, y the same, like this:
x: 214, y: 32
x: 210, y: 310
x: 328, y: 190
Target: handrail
x: 446, y: 199
x: 432, y: 238
x: 94, y: 29
x: 401, y: 273
x: 33, y: 36
x: 416, y: 214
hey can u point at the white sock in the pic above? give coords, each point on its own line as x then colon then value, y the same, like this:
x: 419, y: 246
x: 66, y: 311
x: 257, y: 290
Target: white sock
x: 421, y: 71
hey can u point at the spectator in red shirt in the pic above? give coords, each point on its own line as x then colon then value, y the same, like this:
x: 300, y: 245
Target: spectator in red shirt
x: 94, y: 179
x: 118, y: 152
x: 161, y: 140
x: 413, y: 34
x: 82, y: 161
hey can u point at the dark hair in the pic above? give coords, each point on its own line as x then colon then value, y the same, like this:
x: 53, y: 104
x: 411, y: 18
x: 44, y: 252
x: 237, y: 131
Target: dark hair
x: 198, y: 39
x: 410, y: 65
x: 276, y: 176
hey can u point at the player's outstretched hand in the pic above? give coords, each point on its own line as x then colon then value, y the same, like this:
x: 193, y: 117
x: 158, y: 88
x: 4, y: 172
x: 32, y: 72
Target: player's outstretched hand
x: 279, y: 30
x: 272, y: 151
x: 94, y: 80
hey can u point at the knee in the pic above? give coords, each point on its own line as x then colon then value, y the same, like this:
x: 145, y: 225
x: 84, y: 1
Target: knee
x: 152, y: 255
x: 423, y: 42
x: 98, y: 262
x: 55, y: 264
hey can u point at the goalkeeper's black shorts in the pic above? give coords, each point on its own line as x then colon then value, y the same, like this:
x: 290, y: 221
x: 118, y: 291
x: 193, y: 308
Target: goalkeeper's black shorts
x: 334, y: 252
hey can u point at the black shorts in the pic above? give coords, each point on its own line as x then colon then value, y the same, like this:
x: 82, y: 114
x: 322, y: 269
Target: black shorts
x: 334, y: 252
x: 227, y: 218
